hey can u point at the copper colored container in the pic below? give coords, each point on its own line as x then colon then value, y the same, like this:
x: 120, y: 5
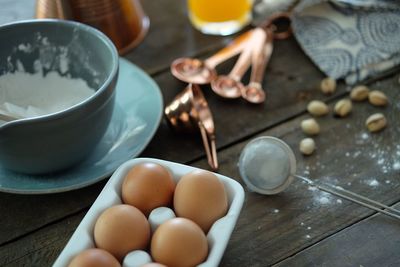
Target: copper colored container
x: 122, y: 20
x: 189, y: 112
x: 48, y: 9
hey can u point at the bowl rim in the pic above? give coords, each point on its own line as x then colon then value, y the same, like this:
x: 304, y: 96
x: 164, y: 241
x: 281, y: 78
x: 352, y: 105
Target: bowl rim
x: 110, y: 77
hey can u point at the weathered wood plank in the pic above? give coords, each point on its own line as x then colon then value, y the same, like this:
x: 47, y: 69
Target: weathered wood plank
x: 272, y: 228
x: 372, y: 242
x: 22, y: 214
x: 41, y: 248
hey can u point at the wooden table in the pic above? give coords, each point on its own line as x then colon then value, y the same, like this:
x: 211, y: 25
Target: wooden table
x: 299, y: 227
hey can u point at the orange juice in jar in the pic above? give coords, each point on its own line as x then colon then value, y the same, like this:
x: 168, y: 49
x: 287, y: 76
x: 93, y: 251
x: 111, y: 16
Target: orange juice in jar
x: 220, y: 17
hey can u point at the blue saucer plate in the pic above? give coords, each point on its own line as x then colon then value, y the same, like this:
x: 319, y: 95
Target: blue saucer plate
x: 137, y: 115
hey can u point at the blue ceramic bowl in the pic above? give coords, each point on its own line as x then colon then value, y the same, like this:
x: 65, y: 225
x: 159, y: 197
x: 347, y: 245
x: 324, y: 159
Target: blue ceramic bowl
x: 59, y: 140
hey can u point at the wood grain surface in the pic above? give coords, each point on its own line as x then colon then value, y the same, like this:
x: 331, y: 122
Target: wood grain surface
x: 370, y: 242
x: 301, y: 226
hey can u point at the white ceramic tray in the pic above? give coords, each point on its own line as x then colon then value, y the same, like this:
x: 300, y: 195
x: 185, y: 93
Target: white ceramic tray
x: 217, y: 237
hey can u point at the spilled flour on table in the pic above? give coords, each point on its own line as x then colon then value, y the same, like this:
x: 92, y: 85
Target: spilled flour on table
x: 353, y: 158
x: 372, y: 182
x: 306, y: 229
x: 368, y: 149
x: 321, y: 197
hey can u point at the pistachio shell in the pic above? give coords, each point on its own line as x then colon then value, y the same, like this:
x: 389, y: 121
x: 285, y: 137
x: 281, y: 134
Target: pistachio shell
x: 328, y: 85
x: 359, y: 93
x: 307, y: 146
x: 377, y: 98
x: 343, y: 107
x: 376, y: 122
x: 310, y: 126
x: 317, y: 108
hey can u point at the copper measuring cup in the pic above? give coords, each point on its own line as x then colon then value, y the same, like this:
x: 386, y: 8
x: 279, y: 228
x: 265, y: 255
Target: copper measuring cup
x: 188, y: 112
x: 124, y: 21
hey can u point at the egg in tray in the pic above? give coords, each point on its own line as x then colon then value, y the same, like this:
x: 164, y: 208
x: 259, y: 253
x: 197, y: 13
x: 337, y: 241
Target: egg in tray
x: 157, y: 213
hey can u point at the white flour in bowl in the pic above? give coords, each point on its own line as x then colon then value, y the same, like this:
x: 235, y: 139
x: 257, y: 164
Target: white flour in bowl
x: 25, y: 95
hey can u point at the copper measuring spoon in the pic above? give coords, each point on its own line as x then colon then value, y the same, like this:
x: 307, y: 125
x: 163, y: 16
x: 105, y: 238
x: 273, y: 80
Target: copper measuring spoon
x: 230, y: 86
x: 196, y: 71
x: 254, y: 92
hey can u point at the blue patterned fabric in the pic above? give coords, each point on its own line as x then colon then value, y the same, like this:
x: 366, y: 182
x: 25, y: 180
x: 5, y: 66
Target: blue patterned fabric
x: 350, y: 39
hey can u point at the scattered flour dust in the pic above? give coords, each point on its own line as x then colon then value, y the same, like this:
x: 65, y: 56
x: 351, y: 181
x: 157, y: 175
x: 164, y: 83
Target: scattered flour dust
x: 25, y: 95
x: 372, y: 182
x: 364, y: 136
x: 323, y: 200
x: 396, y: 166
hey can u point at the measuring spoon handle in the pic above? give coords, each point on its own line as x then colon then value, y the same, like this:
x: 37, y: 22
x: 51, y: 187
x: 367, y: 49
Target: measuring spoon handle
x: 244, y: 60
x: 261, y: 57
x: 231, y: 50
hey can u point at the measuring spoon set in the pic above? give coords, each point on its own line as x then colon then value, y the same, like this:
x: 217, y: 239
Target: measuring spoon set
x: 255, y: 48
x: 189, y: 110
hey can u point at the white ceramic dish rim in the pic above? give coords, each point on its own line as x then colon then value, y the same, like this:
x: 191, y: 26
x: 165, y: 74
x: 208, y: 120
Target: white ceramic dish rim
x: 217, y: 237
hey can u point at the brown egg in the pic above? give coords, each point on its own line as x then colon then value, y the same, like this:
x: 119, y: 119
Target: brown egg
x: 153, y: 264
x: 179, y: 242
x: 200, y: 196
x: 148, y: 186
x: 94, y: 257
x: 121, y: 229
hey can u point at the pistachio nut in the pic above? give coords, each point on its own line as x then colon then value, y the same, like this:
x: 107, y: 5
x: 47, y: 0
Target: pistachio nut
x: 376, y: 122
x: 307, y: 146
x: 328, y: 85
x: 317, y: 108
x: 359, y: 93
x: 310, y: 126
x: 343, y: 107
x: 377, y: 98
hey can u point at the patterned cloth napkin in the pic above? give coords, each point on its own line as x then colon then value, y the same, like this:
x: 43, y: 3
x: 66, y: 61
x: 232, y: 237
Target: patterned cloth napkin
x: 350, y: 39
